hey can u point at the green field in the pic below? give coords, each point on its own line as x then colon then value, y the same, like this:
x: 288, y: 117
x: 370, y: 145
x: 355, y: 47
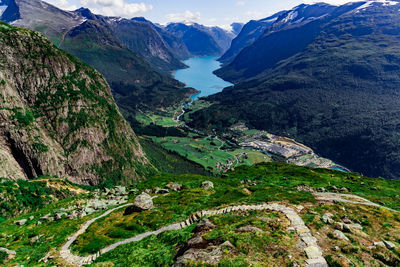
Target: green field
x: 166, y: 118
x: 208, y: 152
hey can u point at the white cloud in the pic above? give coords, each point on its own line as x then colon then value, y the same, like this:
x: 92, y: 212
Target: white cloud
x: 63, y: 4
x: 240, y: 3
x: 116, y: 7
x: 186, y: 16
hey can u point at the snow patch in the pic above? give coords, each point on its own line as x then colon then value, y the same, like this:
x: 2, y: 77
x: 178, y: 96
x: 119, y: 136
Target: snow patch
x: 2, y: 9
x: 383, y: 2
x: 291, y: 16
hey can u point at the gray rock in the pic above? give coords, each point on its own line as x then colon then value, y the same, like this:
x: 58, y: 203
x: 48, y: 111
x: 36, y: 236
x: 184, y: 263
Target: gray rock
x: 120, y: 190
x: 313, y: 252
x: 347, y: 220
x: 21, y: 222
x: 46, y: 217
x: 339, y: 226
x: 99, y: 205
x: 327, y: 218
x: 227, y: 244
x: 205, y: 225
x: 207, y: 185
x: 340, y: 235
x: 389, y: 245
x: 161, y: 191
x: 347, y: 228
x: 34, y: 239
x: 149, y: 191
x: 211, y: 255
x: 10, y: 253
x: 248, y: 228
x: 142, y: 202
x: 196, y: 241
x: 379, y: 244
x: 88, y: 210
x: 174, y: 186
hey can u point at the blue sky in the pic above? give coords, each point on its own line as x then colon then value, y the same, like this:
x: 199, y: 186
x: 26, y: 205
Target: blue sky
x: 208, y: 12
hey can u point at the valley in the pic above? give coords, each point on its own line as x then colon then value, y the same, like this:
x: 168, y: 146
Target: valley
x: 137, y: 141
x: 237, y: 146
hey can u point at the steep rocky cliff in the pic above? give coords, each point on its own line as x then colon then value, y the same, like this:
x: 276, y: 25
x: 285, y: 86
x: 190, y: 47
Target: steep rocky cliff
x: 57, y: 116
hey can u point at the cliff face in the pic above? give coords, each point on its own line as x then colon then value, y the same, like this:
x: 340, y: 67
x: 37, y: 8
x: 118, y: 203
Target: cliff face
x: 57, y: 116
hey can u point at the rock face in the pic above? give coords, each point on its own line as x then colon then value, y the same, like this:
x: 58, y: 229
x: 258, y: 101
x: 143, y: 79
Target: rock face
x: 57, y: 116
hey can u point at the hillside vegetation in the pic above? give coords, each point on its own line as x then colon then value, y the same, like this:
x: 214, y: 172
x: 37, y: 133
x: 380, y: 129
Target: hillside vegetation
x: 58, y: 116
x: 255, y: 237
x: 337, y: 91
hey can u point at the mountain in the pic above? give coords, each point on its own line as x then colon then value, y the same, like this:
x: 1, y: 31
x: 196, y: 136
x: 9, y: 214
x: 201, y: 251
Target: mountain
x: 249, y: 33
x: 237, y: 28
x: 143, y: 38
x: 93, y: 39
x: 58, y: 117
x: 174, y: 44
x: 336, y: 90
x: 201, y: 40
x: 254, y: 29
x: 40, y: 16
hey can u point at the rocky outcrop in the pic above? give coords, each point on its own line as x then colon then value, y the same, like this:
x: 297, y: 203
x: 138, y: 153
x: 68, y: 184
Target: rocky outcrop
x: 57, y: 116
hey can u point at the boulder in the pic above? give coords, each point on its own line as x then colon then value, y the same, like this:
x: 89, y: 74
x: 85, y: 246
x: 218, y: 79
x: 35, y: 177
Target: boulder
x: 21, y: 222
x: 174, y: 186
x: 10, y: 253
x: 207, y: 185
x: 327, y: 218
x: 120, y: 190
x: 379, y: 244
x: 211, y: 256
x: 142, y: 202
x: 340, y: 235
x: 204, y: 225
x: 389, y: 245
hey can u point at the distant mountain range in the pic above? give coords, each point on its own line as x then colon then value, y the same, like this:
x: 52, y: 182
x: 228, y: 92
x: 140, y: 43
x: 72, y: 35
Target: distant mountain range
x: 327, y: 76
x: 135, y: 55
x: 201, y: 40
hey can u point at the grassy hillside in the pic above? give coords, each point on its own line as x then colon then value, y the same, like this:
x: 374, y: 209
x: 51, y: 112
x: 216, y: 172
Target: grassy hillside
x: 270, y: 182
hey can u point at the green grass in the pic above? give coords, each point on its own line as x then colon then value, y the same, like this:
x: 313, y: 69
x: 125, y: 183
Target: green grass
x: 208, y: 151
x: 274, y: 182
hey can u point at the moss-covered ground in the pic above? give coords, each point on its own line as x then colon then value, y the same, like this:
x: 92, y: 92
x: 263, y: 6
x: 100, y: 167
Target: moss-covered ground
x: 267, y: 182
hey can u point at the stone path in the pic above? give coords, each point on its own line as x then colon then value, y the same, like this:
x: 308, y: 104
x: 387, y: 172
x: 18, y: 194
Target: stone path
x: 311, y: 248
x: 348, y: 198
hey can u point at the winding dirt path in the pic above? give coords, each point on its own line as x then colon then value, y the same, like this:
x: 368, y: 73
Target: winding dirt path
x: 311, y: 248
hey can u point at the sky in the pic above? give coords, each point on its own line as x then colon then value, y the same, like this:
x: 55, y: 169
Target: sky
x: 208, y: 12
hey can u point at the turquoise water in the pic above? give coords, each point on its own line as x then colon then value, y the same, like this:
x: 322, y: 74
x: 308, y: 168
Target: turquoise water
x: 338, y: 169
x: 200, y: 76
